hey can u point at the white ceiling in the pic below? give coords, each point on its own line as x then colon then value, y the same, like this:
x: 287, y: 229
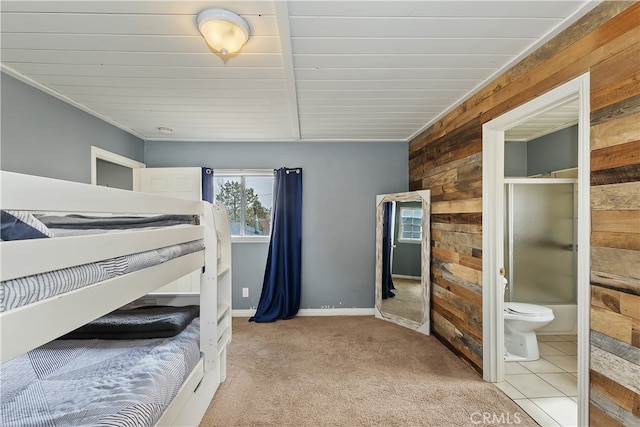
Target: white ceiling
x: 312, y: 70
x: 548, y: 121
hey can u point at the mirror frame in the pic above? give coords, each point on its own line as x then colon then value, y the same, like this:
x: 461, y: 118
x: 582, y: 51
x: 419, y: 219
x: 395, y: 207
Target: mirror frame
x: 423, y: 196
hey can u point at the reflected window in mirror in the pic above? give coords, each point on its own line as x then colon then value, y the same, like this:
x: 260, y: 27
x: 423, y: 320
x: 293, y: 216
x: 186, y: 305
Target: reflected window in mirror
x: 410, y: 225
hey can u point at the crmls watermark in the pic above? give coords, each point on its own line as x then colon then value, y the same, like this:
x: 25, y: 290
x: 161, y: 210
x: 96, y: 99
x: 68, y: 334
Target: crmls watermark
x: 495, y: 418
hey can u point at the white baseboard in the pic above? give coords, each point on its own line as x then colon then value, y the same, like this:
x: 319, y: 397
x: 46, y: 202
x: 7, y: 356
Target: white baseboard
x: 315, y: 312
x: 404, y: 276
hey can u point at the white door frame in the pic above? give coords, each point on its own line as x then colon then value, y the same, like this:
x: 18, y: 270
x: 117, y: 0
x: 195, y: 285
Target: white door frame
x: 492, y: 231
x: 108, y: 156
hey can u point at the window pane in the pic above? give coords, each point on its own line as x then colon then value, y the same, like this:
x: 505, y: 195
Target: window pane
x: 228, y: 191
x: 248, y: 200
x: 258, y: 193
x: 411, y: 223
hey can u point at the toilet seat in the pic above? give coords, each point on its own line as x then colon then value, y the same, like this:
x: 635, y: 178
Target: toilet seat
x: 527, y: 310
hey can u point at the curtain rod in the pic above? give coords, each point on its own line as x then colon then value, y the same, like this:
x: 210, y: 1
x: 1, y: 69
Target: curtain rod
x: 288, y: 171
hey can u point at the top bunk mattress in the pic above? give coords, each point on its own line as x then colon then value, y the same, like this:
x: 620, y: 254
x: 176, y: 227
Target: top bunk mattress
x: 22, y: 291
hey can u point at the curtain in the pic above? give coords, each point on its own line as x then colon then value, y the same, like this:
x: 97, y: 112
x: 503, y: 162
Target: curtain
x: 207, y: 185
x: 280, y: 297
x: 387, y: 281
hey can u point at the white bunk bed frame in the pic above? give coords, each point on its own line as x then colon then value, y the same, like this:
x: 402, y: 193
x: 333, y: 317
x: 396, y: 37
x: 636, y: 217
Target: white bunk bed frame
x: 23, y: 328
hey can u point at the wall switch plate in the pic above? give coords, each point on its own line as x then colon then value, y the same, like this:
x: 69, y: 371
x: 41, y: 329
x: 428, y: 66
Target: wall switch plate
x: 245, y: 292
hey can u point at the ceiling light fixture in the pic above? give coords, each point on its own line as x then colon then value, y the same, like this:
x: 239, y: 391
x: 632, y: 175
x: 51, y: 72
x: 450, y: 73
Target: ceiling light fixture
x: 223, y: 30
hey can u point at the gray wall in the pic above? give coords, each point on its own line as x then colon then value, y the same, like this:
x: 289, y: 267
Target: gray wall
x: 113, y: 175
x: 44, y: 136
x: 340, y: 182
x: 248, y: 261
x: 554, y: 152
x: 515, y: 158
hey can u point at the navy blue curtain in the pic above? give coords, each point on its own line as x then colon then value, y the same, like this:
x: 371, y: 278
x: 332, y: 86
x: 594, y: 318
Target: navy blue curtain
x: 207, y: 185
x: 280, y: 297
x: 387, y: 281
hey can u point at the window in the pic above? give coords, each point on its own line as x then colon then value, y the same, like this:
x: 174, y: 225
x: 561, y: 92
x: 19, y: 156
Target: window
x: 411, y: 225
x: 248, y: 196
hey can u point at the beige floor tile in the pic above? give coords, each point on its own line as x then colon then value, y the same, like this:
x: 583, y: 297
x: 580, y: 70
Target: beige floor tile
x: 567, y: 347
x: 567, y: 363
x: 510, y: 390
x: 546, y: 349
x: 565, y: 382
x: 542, y: 366
x: 548, y: 338
x: 536, y: 413
x: 515, y: 368
x: 562, y: 409
x: 532, y: 386
x: 546, y: 389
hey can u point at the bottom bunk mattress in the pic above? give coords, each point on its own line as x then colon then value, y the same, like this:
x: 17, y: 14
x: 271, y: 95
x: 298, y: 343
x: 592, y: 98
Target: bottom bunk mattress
x: 97, y: 382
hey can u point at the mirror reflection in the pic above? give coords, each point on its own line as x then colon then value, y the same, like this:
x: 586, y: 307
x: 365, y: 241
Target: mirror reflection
x: 402, y: 259
x: 402, y: 287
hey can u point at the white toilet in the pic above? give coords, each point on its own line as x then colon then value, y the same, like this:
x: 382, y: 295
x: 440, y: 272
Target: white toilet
x: 520, y: 323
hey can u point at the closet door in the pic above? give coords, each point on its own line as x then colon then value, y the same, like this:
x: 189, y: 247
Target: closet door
x: 183, y: 183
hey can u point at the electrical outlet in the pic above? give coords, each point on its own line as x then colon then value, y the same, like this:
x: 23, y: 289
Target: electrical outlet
x: 245, y: 292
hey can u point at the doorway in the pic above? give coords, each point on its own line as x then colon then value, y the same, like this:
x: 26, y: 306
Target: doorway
x: 493, y: 230
x: 112, y: 170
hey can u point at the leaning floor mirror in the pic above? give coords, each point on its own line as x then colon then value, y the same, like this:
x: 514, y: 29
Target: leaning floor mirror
x: 403, y: 248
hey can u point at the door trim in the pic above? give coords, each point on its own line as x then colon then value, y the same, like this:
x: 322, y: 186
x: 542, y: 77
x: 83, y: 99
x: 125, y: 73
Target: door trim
x: 492, y: 232
x: 108, y: 156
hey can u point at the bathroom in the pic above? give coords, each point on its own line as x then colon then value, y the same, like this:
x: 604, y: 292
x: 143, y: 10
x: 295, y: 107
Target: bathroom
x: 540, y: 273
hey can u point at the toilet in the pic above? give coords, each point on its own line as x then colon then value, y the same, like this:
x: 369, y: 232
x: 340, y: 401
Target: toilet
x: 520, y: 323
x: 521, y: 320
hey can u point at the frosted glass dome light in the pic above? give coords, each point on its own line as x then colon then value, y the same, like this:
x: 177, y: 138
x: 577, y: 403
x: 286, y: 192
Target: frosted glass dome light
x: 224, y: 31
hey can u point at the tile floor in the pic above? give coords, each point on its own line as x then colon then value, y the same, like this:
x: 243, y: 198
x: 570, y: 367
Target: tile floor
x: 547, y: 388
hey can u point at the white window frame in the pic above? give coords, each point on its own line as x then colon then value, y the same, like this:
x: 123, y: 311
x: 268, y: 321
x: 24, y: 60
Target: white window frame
x: 219, y: 173
x: 401, y: 226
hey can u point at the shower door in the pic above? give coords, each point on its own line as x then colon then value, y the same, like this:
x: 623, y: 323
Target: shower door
x: 540, y: 240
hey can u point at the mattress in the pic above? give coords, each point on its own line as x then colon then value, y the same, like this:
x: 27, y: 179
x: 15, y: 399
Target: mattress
x: 22, y: 291
x: 97, y: 382
x: 19, y: 292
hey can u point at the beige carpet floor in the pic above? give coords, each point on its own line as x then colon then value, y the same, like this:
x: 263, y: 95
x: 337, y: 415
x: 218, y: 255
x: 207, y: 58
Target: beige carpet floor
x: 350, y: 371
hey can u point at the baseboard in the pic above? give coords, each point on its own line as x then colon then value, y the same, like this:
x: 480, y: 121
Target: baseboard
x: 404, y: 276
x: 315, y: 312
x: 337, y: 312
x: 245, y: 312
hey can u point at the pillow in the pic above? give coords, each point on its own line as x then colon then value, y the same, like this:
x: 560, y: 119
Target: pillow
x: 18, y: 225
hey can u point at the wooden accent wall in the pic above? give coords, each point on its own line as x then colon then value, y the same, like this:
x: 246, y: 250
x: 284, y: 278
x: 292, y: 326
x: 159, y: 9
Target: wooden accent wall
x: 447, y: 159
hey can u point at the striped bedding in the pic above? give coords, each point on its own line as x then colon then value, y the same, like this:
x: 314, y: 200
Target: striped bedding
x: 97, y: 382
x: 26, y: 290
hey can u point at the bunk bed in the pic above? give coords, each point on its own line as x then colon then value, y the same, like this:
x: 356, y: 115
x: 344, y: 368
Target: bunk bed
x: 39, y: 323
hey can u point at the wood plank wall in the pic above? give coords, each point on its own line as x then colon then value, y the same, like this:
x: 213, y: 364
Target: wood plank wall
x: 447, y: 159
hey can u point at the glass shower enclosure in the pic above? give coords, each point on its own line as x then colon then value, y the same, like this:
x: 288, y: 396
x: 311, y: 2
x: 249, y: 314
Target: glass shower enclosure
x: 540, y: 240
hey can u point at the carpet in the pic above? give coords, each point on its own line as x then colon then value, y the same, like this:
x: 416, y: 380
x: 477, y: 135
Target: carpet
x: 350, y: 371
x: 408, y: 300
